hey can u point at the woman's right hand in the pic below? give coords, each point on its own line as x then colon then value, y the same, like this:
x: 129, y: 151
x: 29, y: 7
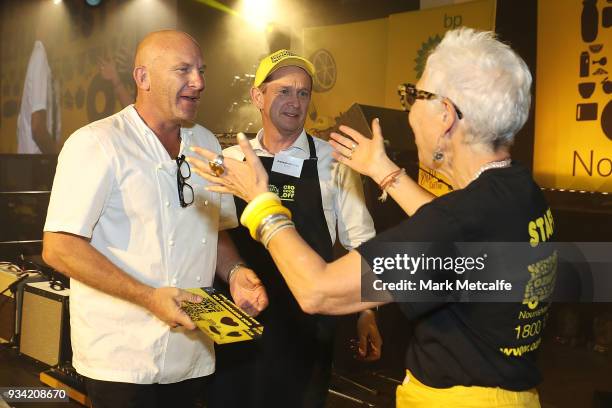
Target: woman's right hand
x: 245, y: 179
x: 362, y: 154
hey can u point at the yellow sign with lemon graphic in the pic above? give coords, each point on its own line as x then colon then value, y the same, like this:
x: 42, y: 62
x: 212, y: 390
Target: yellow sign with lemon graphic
x: 573, y: 139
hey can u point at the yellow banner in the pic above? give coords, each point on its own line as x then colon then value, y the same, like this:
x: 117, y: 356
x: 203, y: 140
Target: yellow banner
x: 365, y: 62
x: 350, y: 61
x: 573, y: 134
x: 412, y: 35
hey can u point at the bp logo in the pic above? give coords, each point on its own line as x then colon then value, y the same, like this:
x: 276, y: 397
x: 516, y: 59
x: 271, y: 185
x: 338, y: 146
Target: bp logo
x: 325, y: 70
x: 423, y: 53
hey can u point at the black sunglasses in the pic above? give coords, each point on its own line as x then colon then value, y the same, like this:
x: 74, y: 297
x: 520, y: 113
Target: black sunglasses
x: 409, y: 93
x: 185, y: 191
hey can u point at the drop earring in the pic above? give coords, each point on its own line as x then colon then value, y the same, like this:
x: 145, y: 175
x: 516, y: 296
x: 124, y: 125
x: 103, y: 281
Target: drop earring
x: 438, y: 156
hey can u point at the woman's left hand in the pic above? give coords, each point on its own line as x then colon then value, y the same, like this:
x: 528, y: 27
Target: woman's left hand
x: 245, y: 179
x: 362, y: 154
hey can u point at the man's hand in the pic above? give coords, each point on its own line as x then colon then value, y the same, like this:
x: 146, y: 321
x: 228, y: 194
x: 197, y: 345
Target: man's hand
x: 370, y: 341
x: 165, y: 303
x: 247, y: 291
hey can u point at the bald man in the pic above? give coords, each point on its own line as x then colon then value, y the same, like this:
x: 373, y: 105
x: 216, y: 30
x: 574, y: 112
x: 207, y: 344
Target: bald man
x: 130, y: 224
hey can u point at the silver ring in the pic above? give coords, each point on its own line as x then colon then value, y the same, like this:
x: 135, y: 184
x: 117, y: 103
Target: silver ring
x: 219, y: 160
x: 216, y: 165
x: 353, y: 147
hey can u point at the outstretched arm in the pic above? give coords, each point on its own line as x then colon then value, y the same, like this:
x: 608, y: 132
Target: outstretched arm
x: 319, y: 287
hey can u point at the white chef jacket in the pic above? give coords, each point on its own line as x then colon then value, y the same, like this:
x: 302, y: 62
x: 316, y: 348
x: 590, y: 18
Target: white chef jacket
x: 116, y: 184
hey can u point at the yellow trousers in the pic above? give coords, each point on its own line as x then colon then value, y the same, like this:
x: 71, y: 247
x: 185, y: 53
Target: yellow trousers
x: 413, y: 394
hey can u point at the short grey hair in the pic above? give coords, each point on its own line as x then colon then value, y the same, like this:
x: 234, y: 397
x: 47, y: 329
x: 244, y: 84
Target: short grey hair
x: 486, y: 80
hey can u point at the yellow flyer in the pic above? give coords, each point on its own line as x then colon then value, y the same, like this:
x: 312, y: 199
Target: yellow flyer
x: 220, y: 318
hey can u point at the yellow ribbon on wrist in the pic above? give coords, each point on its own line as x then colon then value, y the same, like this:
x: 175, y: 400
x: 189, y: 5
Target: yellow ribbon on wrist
x: 263, y: 205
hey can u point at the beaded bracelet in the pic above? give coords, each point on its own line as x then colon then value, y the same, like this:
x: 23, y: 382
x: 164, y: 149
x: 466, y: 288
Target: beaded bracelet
x: 387, y: 177
x: 389, y: 180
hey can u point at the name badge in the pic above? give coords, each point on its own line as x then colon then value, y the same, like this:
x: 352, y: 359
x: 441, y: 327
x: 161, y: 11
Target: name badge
x: 285, y: 164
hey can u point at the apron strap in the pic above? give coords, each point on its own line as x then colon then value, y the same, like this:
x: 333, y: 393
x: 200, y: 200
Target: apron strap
x: 311, y: 145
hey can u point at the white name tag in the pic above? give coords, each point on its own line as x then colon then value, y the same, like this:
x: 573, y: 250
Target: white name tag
x: 285, y: 164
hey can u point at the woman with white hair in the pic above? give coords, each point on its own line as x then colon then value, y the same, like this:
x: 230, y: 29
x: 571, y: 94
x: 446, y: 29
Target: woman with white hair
x: 465, y: 110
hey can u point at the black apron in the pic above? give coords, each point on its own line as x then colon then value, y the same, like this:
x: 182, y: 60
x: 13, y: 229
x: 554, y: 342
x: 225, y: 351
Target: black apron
x: 291, y: 364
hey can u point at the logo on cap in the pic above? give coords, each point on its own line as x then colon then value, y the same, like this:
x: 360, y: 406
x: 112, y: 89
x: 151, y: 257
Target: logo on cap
x: 280, y: 55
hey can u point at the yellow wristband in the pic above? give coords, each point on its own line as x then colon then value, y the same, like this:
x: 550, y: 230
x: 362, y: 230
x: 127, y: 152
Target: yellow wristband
x: 256, y: 219
x: 253, y: 206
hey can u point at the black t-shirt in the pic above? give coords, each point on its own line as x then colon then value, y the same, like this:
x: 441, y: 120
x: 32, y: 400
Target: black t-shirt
x: 484, y: 344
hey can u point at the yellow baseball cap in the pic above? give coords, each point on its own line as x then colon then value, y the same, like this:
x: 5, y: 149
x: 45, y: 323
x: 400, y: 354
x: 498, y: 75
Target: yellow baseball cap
x: 278, y: 59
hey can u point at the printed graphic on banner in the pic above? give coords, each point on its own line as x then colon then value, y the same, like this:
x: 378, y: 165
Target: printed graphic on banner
x: 326, y: 71
x: 412, y: 35
x: 86, y: 48
x: 426, y: 48
x: 349, y: 60
x: 573, y: 142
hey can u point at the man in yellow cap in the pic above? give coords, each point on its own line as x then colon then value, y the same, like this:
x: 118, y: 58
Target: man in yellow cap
x: 291, y: 365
